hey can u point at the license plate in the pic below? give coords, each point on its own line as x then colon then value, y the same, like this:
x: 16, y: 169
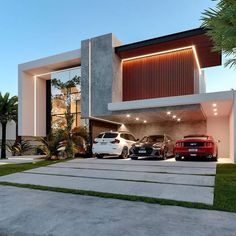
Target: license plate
x: 142, y: 151
x: 193, y: 155
x: 103, y: 143
x: 192, y: 150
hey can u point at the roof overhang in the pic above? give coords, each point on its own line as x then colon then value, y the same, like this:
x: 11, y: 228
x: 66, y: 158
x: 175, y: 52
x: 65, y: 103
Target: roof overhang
x: 195, y: 37
x: 187, y: 108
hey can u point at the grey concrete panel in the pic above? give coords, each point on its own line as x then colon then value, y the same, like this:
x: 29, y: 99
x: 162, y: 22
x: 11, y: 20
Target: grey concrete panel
x: 84, y: 78
x: 33, y: 212
x: 144, y: 168
x: 135, y: 176
x: 168, y: 162
x: 155, y: 190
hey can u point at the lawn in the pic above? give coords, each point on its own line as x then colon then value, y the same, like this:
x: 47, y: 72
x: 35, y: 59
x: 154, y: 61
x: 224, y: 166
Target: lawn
x: 13, y: 168
x: 225, y: 187
x: 224, y: 195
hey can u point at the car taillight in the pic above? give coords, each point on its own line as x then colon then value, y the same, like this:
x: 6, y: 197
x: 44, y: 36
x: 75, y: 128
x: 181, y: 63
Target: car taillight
x: 95, y: 142
x: 116, y: 141
x: 178, y: 144
x: 209, y: 144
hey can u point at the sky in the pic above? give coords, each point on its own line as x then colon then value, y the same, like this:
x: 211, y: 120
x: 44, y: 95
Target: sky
x: 32, y: 29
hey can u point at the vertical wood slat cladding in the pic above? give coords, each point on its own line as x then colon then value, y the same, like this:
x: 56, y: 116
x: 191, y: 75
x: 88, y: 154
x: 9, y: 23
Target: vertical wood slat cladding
x: 164, y: 75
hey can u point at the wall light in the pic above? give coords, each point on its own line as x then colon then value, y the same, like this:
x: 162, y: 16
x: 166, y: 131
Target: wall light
x: 144, y: 121
x: 214, y: 105
x: 168, y: 113
x: 178, y: 119
x: 215, y: 109
x: 128, y: 115
x: 136, y: 118
x: 174, y: 116
x: 215, y: 114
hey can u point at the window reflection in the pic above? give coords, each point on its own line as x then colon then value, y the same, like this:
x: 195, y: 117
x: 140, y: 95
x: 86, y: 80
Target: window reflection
x: 63, y: 97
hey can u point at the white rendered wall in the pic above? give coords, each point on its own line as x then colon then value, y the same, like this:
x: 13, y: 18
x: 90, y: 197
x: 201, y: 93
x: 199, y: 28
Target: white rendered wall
x: 11, y: 131
x: 40, y: 107
x: 26, y: 104
x: 218, y: 127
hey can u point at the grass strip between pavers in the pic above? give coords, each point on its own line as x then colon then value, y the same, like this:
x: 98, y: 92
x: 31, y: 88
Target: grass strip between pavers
x: 224, y: 192
x: 111, y: 195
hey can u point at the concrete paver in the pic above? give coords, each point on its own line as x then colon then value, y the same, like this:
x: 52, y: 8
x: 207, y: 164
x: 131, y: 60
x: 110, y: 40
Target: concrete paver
x: 26, y: 212
x: 123, y: 175
x: 173, y: 181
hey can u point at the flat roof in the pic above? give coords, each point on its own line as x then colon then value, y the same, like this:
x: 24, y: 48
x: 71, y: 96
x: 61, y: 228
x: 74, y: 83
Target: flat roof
x: 197, y: 37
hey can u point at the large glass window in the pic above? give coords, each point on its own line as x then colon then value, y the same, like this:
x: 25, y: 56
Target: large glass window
x: 65, y: 98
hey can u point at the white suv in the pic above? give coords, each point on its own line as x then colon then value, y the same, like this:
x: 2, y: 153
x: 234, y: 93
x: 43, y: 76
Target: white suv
x: 113, y: 144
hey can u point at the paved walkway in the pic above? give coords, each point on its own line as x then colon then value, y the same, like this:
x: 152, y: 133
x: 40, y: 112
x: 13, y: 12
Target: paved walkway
x: 27, y: 212
x: 183, y: 181
x: 20, y: 159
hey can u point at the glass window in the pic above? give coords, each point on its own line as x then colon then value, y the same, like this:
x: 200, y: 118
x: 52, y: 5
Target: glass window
x: 65, y: 98
x: 100, y: 135
x: 156, y: 138
x: 110, y: 135
x: 131, y: 137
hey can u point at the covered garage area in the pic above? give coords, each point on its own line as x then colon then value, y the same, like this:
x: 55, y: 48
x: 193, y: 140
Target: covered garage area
x: 210, y: 114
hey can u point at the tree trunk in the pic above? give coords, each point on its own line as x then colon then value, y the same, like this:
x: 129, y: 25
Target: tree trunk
x: 3, y: 146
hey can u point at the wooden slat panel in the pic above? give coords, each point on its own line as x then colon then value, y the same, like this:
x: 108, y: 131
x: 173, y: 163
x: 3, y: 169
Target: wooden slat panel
x: 203, y: 44
x: 164, y: 75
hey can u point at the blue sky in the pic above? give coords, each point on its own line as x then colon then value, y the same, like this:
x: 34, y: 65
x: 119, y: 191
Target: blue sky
x: 31, y: 29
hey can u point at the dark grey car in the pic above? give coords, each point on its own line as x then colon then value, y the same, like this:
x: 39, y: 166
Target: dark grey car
x: 156, y: 146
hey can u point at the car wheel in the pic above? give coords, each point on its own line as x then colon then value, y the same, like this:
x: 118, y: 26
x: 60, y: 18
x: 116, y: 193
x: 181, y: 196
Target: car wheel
x: 99, y: 156
x: 215, y: 158
x: 125, y: 153
x: 177, y: 158
x: 164, y: 155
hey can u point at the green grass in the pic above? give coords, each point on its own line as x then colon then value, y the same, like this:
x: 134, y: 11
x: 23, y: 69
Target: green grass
x: 224, y: 195
x: 225, y: 188
x: 13, y: 168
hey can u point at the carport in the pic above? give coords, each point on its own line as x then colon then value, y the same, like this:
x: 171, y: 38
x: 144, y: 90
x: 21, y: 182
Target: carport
x: 209, y: 113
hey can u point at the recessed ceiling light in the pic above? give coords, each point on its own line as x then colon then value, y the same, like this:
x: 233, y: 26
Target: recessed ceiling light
x: 144, y: 121
x: 215, y: 114
x: 128, y: 115
x: 174, y: 116
x: 179, y: 119
x: 214, y: 104
x: 136, y: 118
x: 168, y: 112
x: 215, y: 109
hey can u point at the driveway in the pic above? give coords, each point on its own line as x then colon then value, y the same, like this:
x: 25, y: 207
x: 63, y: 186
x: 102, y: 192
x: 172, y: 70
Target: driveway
x: 182, y: 181
x: 27, y: 212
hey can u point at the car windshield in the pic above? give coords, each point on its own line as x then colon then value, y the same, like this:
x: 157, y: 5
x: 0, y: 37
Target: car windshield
x: 110, y: 135
x: 196, y: 137
x: 156, y: 138
x: 153, y: 139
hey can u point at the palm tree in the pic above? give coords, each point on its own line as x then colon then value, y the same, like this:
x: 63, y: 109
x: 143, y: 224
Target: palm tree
x: 8, y: 112
x: 221, y: 26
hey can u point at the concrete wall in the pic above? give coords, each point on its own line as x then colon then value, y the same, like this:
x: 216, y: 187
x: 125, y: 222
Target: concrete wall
x: 28, y: 86
x: 26, y: 104
x: 104, y: 72
x: 175, y: 130
x: 11, y: 131
x: 40, y: 107
x: 218, y: 127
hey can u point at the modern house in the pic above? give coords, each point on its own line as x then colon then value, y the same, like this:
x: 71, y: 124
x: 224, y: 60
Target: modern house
x: 146, y: 87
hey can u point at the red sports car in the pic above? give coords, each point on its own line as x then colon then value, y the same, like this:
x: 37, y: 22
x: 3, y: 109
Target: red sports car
x: 196, y: 146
